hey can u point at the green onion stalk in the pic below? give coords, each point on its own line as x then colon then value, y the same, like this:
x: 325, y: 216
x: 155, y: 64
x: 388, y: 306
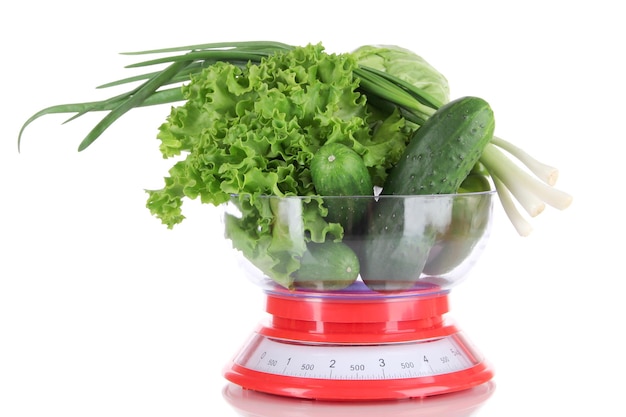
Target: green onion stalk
x: 530, y: 188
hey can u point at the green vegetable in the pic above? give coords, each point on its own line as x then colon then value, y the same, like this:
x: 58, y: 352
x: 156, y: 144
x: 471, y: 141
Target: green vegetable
x: 475, y: 183
x: 327, y: 266
x: 512, y: 182
x: 400, y: 235
x: 273, y: 233
x: 467, y: 227
x: 407, y: 66
x: 337, y: 170
x: 150, y: 93
x: 439, y: 157
x: 254, y: 130
x: 396, y: 105
x: 444, y: 150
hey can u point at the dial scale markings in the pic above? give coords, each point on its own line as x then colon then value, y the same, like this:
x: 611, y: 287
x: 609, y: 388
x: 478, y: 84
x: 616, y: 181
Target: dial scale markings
x: 356, y: 362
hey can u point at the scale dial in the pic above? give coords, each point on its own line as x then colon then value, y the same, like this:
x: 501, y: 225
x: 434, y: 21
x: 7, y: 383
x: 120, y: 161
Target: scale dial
x: 354, y: 372
x: 358, y: 362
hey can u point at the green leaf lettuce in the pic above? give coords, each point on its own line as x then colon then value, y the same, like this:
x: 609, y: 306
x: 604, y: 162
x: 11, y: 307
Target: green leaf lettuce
x: 253, y: 129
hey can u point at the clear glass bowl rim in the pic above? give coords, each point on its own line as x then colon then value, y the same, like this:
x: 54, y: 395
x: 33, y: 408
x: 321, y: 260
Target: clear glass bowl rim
x: 372, y: 196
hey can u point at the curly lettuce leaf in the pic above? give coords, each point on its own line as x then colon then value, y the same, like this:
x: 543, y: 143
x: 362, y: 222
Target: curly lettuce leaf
x: 254, y: 130
x: 385, y: 146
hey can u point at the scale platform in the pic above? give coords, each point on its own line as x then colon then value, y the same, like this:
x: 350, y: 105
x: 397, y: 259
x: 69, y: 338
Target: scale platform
x: 358, y: 345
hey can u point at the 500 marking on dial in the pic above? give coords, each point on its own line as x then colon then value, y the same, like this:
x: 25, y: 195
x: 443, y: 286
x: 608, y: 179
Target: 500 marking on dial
x: 357, y: 362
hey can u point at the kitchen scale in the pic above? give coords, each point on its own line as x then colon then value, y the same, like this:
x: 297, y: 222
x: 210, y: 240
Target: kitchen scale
x: 354, y: 343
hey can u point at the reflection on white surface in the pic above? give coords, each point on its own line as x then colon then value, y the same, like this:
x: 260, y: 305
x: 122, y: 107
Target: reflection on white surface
x: 255, y: 404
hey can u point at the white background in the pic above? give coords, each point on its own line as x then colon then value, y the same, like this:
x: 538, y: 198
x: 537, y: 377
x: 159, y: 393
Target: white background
x: 103, y: 311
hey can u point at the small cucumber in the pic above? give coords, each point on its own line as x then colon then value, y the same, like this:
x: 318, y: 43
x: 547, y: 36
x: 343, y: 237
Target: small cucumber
x: 327, y: 266
x: 475, y: 183
x: 438, y: 158
x: 338, y: 171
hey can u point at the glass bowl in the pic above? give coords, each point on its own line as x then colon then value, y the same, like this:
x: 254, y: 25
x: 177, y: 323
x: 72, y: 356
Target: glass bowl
x: 342, y: 245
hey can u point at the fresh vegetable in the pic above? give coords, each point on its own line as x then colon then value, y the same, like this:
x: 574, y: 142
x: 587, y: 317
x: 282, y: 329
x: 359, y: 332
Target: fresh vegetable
x: 399, y: 238
x: 512, y: 182
x: 337, y: 170
x: 475, y: 183
x: 273, y: 233
x: 444, y: 150
x: 384, y: 90
x: 407, y: 66
x: 327, y: 266
x: 254, y: 130
x: 254, y: 115
x: 467, y: 227
x: 439, y: 157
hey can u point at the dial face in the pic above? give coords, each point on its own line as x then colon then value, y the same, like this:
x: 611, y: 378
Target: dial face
x: 358, y: 362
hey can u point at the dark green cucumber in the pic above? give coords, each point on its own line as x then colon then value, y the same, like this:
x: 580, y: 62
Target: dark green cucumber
x: 327, y: 266
x: 438, y: 158
x: 337, y: 172
x: 444, y: 150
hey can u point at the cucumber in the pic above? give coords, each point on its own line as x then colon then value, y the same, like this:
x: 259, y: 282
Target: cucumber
x: 338, y: 171
x: 326, y: 266
x: 475, y: 183
x: 468, y: 225
x: 444, y: 150
x: 440, y: 155
x: 399, y: 238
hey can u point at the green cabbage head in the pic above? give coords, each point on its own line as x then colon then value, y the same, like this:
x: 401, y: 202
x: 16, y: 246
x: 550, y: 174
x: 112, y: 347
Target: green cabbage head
x: 406, y: 65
